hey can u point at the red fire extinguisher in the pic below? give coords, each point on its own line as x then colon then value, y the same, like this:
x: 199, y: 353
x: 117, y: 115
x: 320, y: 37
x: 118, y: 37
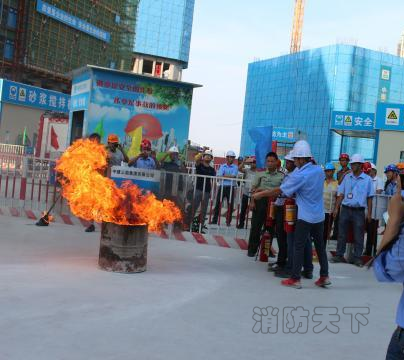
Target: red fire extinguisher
x: 290, y: 215
x: 270, y: 220
x: 265, y: 246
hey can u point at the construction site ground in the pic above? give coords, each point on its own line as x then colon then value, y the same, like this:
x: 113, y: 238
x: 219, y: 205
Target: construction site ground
x: 194, y: 302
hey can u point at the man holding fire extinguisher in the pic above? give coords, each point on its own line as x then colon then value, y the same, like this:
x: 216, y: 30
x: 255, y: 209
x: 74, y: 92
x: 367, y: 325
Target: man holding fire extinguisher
x: 307, y: 184
x: 265, y: 180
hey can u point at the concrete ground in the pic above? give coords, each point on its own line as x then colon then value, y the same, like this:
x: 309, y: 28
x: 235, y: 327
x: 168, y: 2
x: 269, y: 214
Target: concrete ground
x: 194, y: 302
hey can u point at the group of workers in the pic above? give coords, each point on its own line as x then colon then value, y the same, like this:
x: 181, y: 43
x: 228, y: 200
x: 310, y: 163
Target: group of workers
x: 322, y: 201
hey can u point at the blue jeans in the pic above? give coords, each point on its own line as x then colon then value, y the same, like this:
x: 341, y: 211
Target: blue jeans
x: 395, y: 350
x: 356, y: 216
x: 308, y: 254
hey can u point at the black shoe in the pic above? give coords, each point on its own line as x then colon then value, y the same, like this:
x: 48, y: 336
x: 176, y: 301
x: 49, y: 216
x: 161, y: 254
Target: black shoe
x: 337, y: 259
x: 307, y: 274
x: 283, y: 274
x: 213, y: 222
x: 240, y: 226
x: 91, y: 228
x: 357, y: 262
x: 275, y: 267
x: 250, y: 254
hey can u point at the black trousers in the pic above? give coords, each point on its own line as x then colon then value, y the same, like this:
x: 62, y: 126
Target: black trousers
x: 371, y: 240
x: 224, y: 192
x: 259, y: 216
x: 243, y: 212
x: 327, y: 227
x: 281, y: 237
x: 304, y: 232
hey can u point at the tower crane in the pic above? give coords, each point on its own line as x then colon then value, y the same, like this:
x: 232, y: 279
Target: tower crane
x: 297, y: 26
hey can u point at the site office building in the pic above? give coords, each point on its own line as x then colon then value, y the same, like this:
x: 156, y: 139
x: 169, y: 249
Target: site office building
x: 41, y: 41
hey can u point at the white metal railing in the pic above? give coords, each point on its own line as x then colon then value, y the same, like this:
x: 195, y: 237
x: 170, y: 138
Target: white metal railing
x: 12, y: 149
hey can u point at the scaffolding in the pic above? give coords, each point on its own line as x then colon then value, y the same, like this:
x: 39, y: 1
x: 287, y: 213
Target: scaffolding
x: 49, y: 49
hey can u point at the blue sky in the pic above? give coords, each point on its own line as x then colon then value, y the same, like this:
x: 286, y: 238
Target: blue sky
x: 227, y: 35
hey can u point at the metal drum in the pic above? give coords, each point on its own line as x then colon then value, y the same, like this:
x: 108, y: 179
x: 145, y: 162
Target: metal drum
x: 123, y: 248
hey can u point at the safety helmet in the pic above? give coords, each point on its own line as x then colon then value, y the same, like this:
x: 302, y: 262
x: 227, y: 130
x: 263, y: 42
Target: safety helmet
x: 357, y: 158
x: 373, y: 166
x: 173, y: 150
x: 301, y: 149
x: 344, y: 157
x: 113, y: 139
x: 329, y: 166
x: 392, y: 168
x: 289, y: 156
x: 400, y: 167
x: 207, y: 153
x: 231, y: 153
x: 145, y: 145
x: 366, y: 167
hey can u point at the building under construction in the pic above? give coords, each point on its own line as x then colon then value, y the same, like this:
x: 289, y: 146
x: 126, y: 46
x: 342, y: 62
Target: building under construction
x: 42, y: 41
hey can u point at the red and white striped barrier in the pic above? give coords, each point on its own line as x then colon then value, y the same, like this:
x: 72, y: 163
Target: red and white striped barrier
x: 203, y: 239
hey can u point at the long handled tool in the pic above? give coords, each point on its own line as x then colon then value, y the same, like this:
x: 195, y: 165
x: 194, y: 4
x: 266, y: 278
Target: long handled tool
x: 44, y: 220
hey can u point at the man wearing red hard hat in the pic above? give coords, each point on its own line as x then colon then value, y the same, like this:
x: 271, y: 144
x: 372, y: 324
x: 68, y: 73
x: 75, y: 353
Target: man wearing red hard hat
x: 144, y: 160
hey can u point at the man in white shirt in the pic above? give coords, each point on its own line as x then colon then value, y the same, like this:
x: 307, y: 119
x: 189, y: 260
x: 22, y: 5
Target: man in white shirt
x: 372, y: 226
x: 377, y: 181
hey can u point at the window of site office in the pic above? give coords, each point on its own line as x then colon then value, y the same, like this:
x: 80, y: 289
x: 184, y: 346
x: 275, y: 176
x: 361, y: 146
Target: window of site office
x: 147, y: 67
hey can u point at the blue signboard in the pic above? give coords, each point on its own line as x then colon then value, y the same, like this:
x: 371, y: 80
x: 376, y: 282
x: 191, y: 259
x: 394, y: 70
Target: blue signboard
x: 352, y: 121
x: 283, y: 134
x: 390, y: 117
x: 72, y: 21
x: 32, y: 96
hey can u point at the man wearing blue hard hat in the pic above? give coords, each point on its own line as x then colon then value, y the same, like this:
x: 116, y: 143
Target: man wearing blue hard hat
x: 391, y: 172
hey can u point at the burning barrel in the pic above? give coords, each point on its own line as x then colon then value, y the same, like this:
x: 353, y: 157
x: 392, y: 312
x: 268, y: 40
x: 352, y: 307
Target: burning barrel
x: 123, y: 248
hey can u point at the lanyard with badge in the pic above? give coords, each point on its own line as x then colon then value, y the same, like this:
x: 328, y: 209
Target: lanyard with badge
x: 350, y: 195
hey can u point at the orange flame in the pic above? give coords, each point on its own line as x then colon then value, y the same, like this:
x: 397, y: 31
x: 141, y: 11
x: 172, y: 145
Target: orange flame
x: 92, y: 196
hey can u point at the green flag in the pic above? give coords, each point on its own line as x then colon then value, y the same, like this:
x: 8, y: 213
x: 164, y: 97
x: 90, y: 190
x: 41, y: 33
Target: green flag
x: 99, y: 129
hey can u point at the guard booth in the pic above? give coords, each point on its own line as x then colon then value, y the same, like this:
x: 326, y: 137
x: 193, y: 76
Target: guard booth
x: 132, y: 106
x: 353, y: 132
x: 390, y: 126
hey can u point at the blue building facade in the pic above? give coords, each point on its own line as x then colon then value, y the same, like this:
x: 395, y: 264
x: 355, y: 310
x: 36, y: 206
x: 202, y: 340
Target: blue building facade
x: 301, y: 90
x: 164, y: 28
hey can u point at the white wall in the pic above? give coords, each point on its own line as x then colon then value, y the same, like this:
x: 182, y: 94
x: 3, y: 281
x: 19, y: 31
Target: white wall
x: 15, y: 118
x: 391, y: 143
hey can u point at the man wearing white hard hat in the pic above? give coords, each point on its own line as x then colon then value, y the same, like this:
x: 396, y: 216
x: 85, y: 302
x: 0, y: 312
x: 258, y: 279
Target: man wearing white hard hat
x: 227, y: 187
x: 307, y: 184
x: 376, y: 180
x: 355, y: 193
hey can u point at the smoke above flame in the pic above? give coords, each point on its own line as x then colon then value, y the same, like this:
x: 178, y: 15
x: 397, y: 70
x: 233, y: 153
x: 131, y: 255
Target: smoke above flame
x: 92, y: 196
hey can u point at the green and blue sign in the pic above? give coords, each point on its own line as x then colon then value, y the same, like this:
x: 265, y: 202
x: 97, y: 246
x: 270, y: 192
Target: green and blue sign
x: 32, y: 96
x: 390, y: 116
x: 72, y: 21
x: 352, y: 121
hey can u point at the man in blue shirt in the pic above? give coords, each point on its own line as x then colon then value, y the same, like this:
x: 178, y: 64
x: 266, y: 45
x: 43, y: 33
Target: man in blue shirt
x: 227, y: 188
x: 355, y: 193
x: 391, y: 172
x: 144, y: 160
x: 306, y: 183
x: 389, y: 267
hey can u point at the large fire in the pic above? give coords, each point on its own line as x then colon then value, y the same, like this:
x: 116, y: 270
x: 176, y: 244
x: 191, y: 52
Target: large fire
x: 92, y: 196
